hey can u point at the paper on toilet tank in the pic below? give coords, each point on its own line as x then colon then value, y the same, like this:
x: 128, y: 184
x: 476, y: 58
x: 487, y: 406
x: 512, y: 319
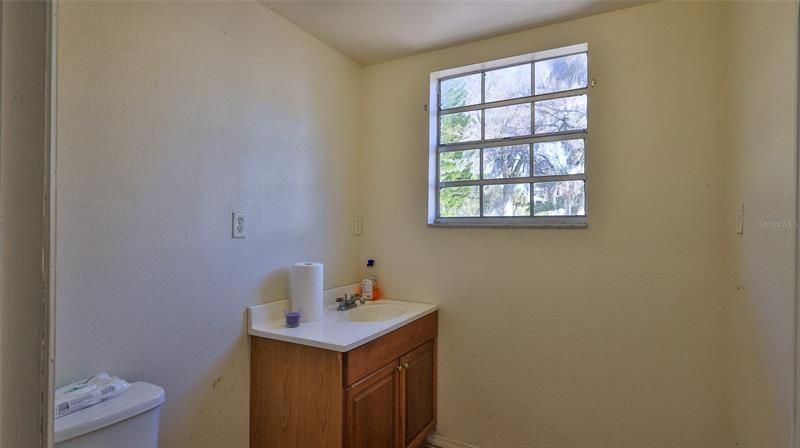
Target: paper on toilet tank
x: 305, y: 287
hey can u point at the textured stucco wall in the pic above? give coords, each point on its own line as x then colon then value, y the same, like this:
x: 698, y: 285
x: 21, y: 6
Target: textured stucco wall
x: 171, y: 115
x: 607, y: 336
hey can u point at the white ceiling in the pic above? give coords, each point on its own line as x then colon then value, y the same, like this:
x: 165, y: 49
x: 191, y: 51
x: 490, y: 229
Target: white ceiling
x: 372, y: 31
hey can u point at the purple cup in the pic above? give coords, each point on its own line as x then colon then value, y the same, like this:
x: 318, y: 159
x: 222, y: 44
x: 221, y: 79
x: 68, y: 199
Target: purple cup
x: 292, y: 319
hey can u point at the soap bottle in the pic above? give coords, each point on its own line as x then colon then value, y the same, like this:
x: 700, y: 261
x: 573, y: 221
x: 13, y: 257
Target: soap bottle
x: 376, y: 290
x: 367, y: 289
x: 369, y: 286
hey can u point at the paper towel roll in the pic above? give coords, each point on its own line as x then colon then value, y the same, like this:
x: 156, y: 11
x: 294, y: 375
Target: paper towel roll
x: 305, y: 286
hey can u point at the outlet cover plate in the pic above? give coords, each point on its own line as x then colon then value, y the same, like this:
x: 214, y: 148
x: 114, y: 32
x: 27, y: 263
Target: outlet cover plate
x: 238, y: 225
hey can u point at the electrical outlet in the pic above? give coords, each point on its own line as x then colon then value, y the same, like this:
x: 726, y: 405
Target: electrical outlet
x: 239, y: 230
x: 358, y: 225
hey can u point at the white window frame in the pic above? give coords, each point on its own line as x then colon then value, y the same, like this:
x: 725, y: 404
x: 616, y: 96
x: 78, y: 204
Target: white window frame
x: 434, y: 148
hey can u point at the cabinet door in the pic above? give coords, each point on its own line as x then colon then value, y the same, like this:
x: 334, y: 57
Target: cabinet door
x: 418, y: 394
x: 372, y: 417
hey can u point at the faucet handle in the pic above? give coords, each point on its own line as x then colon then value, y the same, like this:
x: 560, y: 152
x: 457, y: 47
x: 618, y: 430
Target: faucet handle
x: 342, y: 299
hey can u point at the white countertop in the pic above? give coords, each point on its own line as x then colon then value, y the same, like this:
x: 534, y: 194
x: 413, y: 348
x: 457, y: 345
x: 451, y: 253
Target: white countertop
x: 334, y: 331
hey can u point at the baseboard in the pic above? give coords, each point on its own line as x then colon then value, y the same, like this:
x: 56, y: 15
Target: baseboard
x: 440, y: 441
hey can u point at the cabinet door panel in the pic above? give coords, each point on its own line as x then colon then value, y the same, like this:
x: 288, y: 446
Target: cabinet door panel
x: 372, y: 410
x: 418, y: 394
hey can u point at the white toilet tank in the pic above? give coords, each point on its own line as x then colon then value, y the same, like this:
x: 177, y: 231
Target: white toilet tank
x: 127, y: 421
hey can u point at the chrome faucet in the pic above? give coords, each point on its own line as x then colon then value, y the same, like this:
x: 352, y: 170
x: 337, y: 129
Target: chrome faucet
x: 348, y: 303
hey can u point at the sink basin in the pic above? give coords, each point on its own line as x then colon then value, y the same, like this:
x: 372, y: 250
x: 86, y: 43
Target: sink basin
x: 373, y: 312
x: 340, y: 331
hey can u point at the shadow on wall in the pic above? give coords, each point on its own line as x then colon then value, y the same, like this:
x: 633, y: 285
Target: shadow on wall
x: 221, y: 391
x: 22, y: 173
x: 276, y: 284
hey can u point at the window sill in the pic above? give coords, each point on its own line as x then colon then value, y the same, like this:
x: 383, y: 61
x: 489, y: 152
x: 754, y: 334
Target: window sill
x: 501, y: 223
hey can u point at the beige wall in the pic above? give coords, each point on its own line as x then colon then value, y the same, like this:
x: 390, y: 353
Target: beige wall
x: 761, y: 170
x: 171, y: 115
x: 631, y: 333
x: 608, y: 336
x: 22, y: 156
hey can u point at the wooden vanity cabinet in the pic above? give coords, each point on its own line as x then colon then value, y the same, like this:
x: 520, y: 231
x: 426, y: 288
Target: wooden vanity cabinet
x: 379, y: 395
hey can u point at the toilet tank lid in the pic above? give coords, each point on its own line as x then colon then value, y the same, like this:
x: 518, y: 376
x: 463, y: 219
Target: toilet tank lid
x: 140, y: 397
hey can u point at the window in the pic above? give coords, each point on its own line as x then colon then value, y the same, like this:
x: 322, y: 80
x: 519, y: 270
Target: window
x: 508, y: 141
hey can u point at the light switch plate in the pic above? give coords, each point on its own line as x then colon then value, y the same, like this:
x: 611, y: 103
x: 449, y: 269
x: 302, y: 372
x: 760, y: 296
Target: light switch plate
x: 238, y: 224
x: 740, y: 219
x: 358, y: 225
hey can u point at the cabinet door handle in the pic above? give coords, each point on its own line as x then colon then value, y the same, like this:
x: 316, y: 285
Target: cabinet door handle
x: 399, y: 367
x: 405, y: 365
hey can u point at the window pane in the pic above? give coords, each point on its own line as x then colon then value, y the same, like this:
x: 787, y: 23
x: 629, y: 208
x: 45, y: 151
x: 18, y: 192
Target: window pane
x: 507, y: 200
x: 459, y: 202
x: 462, y: 91
x: 460, y: 127
x: 460, y: 165
x: 565, y: 198
x: 560, y: 114
x: 559, y: 74
x: 508, y: 121
x: 555, y: 158
x: 506, y: 161
x: 507, y: 83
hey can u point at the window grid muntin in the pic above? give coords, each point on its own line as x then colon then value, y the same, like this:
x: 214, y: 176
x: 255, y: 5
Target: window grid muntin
x: 512, y: 101
x: 519, y: 181
x: 508, y: 141
x: 541, y: 59
x: 529, y: 139
x: 532, y: 179
x: 532, y: 100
